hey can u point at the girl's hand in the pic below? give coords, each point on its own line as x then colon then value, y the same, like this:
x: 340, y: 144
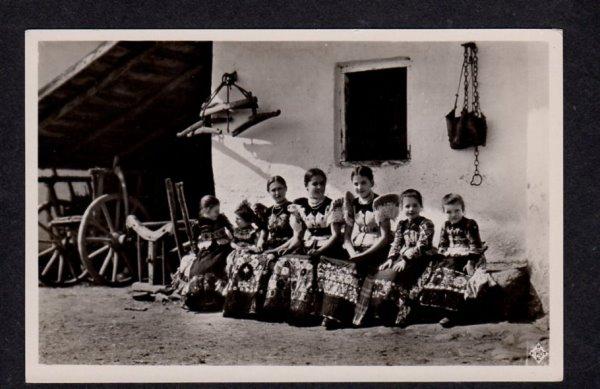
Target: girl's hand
x: 469, y: 268
x: 386, y: 265
x: 204, y: 245
x: 399, y: 266
x: 410, y: 253
x: 260, y: 247
x: 350, y: 250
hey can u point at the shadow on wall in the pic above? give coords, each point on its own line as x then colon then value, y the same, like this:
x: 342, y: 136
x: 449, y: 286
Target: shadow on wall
x: 266, y: 142
x: 220, y: 147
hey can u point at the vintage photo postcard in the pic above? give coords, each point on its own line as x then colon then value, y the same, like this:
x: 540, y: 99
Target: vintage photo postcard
x: 294, y: 205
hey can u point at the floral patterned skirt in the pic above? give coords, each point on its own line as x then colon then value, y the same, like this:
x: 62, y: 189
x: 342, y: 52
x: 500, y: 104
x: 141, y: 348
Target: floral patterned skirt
x: 247, y: 284
x: 292, y: 293
x: 379, y: 296
x: 200, y: 279
x: 445, y: 287
x: 203, y: 293
x: 339, y: 282
x: 387, y: 296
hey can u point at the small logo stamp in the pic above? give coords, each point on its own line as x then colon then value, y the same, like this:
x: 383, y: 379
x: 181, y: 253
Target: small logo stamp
x: 538, y: 353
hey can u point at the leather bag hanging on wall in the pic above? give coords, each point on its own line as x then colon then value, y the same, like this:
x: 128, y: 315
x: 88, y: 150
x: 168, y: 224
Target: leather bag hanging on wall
x: 469, y: 129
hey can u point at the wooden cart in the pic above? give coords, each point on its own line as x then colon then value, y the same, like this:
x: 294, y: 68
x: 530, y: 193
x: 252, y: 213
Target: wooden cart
x: 58, y: 223
x: 95, y: 244
x: 126, y: 98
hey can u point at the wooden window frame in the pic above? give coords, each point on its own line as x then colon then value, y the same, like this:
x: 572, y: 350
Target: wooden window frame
x: 343, y: 68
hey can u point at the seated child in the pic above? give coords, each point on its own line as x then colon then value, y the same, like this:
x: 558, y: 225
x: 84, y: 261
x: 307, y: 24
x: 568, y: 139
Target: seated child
x: 245, y: 235
x: 247, y: 270
x: 408, y: 257
x: 213, y: 226
x: 201, y: 275
x: 460, y: 256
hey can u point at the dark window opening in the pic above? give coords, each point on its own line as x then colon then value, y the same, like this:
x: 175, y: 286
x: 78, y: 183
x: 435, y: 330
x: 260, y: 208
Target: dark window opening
x: 375, y: 116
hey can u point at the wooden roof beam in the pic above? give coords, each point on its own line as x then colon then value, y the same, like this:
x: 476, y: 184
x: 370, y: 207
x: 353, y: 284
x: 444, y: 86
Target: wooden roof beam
x: 50, y: 87
x: 123, y: 119
x: 109, y: 79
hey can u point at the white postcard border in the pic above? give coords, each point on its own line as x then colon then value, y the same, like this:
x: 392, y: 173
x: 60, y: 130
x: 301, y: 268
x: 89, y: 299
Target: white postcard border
x: 38, y: 373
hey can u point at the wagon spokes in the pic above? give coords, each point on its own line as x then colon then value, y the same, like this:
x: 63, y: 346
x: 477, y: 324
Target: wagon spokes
x: 99, y: 251
x: 107, y: 218
x: 106, y: 261
x: 57, y: 251
x: 104, y: 243
x: 97, y: 239
x: 47, y: 251
x: 115, y: 263
x: 50, y: 263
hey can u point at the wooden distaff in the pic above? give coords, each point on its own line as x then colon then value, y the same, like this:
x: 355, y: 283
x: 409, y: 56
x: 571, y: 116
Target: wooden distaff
x: 348, y: 208
x: 391, y: 198
x: 186, y: 217
x: 173, y: 214
x: 386, y: 207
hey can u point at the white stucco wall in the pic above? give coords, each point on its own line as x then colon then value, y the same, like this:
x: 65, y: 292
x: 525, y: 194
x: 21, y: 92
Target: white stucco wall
x: 298, y: 78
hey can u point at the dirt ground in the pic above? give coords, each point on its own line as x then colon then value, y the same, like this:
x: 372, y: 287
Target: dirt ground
x: 94, y: 325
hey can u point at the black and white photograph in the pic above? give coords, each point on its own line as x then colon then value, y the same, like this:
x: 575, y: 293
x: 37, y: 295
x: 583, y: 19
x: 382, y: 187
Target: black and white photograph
x: 305, y: 205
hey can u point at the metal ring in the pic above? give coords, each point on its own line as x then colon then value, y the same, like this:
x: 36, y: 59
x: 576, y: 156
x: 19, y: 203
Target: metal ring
x: 477, y: 179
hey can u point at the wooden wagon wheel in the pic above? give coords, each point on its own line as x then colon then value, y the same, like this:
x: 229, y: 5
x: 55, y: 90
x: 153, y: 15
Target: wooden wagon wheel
x: 58, y: 259
x: 106, y: 248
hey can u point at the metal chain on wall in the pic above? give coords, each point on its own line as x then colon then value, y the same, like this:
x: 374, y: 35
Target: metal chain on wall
x: 477, y: 178
x: 471, y: 68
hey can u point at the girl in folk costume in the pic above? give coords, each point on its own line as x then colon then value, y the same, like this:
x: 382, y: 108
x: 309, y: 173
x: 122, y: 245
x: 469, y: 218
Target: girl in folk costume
x: 387, y: 295
x: 245, y: 235
x: 249, y: 272
x: 201, y: 277
x: 459, y: 273
x: 366, y: 240
x: 276, y: 231
x: 317, y: 222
